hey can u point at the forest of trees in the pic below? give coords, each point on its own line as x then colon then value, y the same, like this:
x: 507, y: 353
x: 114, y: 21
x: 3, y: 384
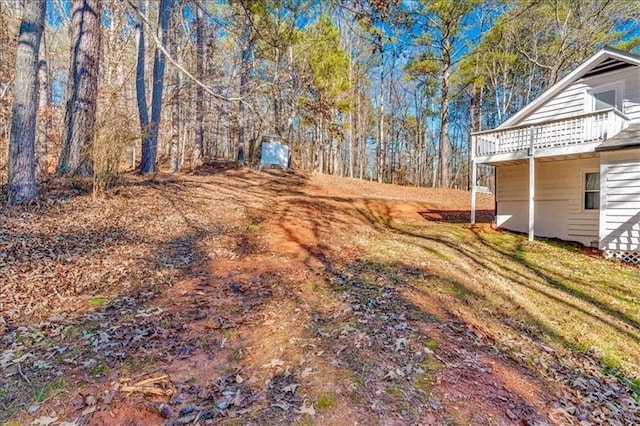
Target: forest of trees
x: 370, y: 89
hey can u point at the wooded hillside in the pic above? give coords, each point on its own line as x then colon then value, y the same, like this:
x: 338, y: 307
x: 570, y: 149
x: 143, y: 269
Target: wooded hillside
x: 387, y: 91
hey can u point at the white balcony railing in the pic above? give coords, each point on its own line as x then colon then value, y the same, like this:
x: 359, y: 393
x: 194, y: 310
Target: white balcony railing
x: 566, y: 132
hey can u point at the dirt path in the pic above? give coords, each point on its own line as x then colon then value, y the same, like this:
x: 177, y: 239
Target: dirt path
x: 261, y: 298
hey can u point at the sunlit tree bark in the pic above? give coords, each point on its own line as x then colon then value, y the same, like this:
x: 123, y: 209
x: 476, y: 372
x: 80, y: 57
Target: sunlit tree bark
x: 22, y: 167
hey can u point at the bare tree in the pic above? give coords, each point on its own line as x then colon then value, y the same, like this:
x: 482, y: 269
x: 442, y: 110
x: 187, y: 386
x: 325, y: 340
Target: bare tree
x: 22, y: 167
x: 141, y: 91
x: 175, y: 97
x: 150, y: 139
x: 44, y: 103
x: 245, y: 54
x: 199, y: 89
x: 80, y: 114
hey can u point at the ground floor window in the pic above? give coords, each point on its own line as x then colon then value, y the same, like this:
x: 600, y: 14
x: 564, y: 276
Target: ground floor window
x: 591, y: 191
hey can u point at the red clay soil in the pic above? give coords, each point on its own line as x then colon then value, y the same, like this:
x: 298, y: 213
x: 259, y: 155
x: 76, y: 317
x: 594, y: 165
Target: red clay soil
x: 241, y: 297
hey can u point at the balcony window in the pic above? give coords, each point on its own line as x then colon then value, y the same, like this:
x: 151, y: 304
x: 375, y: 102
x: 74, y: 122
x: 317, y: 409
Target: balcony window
x: 592, y: 191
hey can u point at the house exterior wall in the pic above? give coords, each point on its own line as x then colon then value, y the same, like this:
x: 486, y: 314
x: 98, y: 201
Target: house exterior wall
x: 576, y: 99
x: 559, y: 190
x: 620, y: 204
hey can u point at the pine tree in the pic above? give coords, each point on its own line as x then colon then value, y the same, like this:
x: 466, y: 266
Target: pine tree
x: 80, y: 115
x: 22, y: 165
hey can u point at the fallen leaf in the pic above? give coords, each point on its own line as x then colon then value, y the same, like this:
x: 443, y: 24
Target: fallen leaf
x: 400, y: 344
x: 282, y: 405
x: 44, y: 421
x: 89, y: 410
x: 307, y: 410
x: 274, y: 363
x: 291, y: 388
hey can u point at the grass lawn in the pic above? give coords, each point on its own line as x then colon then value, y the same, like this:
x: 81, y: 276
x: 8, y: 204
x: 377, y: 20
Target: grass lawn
x: 552, y: 291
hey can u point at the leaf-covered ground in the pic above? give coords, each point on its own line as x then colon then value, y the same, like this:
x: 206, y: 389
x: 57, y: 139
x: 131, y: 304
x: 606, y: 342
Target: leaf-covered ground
x: 240, y: 297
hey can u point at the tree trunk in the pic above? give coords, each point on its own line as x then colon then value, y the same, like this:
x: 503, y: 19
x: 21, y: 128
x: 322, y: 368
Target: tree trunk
x: 244, y: 79
x: 80, y: 114
x: 380, y: 149
x: 199, y: 148
x: 174, y: 150
x: 444, y: 131
x: 22, y: 169
x: 351, y: 120
x: 44, y: 102
x: 141, y: 90
x: 150, y: 141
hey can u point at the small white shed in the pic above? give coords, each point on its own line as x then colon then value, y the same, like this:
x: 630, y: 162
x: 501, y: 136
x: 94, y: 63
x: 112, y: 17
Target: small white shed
x: 274, y: 153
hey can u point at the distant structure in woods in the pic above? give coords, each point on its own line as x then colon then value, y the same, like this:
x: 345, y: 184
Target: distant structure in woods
x: 274, y: 153
x: 568, y: 163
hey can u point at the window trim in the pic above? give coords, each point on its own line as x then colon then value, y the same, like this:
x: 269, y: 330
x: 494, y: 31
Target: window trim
x: 584, y: 191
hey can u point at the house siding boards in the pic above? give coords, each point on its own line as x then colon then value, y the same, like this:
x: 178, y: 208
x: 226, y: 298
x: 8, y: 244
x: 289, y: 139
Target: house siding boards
x: 620, y: 217
x: 558, y: 204
x: 569, y: 102
x: 575, y: 99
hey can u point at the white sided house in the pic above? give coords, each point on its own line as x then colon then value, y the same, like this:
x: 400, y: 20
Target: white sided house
x: 568, y: 164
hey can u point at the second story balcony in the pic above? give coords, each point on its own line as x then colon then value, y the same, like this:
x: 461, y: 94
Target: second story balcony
x: 572, y: 135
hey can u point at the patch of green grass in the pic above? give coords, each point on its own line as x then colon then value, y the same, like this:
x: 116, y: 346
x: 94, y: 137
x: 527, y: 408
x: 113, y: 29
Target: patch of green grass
x: 42, y: 393
x: 394, y: 391
x: 98, y: 301
x: 635, y: 386
x: 252, y: 227
x: 596, y: 297
x: 453, y: 289
x: 230, y: 334
x: 326, y: 401
x: 100, y: 370
x: 432, y: 344
x: 230, y: 370
x: 424, y: 382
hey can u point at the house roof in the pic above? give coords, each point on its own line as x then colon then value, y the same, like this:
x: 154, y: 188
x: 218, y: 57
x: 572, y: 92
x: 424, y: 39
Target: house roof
x: 605, y: 60
x: 628, y: 138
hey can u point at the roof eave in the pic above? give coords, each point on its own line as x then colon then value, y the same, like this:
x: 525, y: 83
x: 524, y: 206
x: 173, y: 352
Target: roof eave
x: 617, y: 147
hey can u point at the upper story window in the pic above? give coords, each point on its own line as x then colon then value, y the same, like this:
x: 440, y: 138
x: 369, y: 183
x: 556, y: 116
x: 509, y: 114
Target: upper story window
x: 604, y: 100
x: 605, y: 97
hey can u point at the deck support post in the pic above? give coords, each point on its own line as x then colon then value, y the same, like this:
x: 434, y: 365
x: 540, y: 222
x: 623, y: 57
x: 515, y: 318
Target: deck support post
x: 474, y: 178
x: 532, y: 184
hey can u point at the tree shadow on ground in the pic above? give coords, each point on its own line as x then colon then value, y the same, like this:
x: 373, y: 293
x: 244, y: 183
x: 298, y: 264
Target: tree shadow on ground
x: 208, y: 289
x: 457, y: 216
